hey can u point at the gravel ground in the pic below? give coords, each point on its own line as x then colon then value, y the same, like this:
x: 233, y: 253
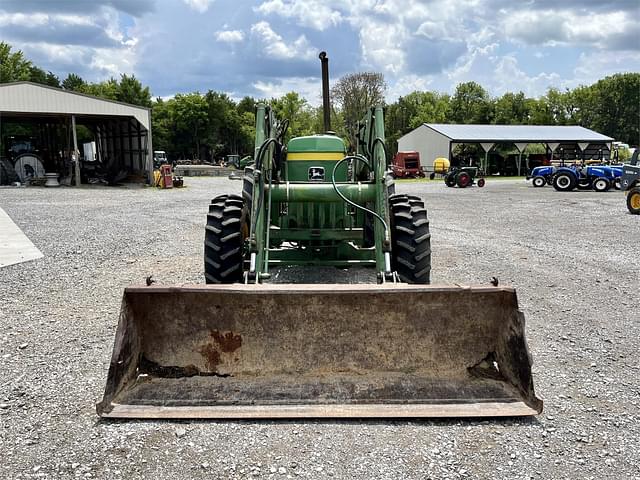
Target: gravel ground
x: 573, y: 258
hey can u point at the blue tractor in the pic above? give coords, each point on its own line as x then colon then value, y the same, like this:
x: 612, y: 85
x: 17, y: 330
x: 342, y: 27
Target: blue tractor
x: 597, y: 177
x: 541, y: 176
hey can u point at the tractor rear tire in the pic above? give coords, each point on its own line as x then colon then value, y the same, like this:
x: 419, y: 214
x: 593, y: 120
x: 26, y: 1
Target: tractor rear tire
x: 539, y: 182
x: 633, y: 200
x: 601, y: 185
x: 564, y: 182
x: 223, y: 240
x: 463, y: 180
x: 410, y: 239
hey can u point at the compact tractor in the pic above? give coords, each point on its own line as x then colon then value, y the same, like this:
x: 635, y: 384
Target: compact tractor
x: 542, y: 175
x: 597, y: 177
x: 243, y: 346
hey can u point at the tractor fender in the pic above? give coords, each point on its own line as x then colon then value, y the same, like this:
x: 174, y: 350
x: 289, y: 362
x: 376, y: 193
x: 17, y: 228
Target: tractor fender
x: 599, y: 171
x: 568, y: 170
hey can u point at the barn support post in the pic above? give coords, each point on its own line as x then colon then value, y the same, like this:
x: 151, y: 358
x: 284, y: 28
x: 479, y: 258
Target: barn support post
x: 149, y: 151
x: 486, y: 146
x: 76, y: 152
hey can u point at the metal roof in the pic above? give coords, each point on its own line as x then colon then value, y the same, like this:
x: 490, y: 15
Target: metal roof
x: 517, y: 133
x: 33, y: 98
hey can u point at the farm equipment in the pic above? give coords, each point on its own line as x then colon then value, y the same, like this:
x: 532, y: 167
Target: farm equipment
x: 440, y: 166
x: 541, y: 176
x: 597, y: 177
x: 630, y: 183
x: 407, y: 165
x: 464, y: 176
x: 240, y: 347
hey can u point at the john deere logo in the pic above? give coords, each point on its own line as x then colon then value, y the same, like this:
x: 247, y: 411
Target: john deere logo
x: 316, y: 174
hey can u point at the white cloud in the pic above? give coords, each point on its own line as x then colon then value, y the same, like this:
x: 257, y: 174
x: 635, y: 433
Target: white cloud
x: 308, y: 88
x: 275, y: 46
x: 510, y: 77
x: 199, y: 5
x: 615, y: 30
x: 407, y: 84
x: 308, y: 13
x: 593, y: 66
x: 229, y: 36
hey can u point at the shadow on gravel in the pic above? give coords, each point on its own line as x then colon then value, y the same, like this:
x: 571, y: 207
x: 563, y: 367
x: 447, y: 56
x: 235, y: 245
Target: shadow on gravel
x: 432, y: 422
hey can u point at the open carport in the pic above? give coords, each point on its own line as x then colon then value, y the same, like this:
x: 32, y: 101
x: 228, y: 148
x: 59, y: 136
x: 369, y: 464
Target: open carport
x: 434, y: 140
x: 39, y: 128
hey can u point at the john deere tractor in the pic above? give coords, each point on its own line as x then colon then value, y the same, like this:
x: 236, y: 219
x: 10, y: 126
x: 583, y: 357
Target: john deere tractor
x: 244, y: 347
x: 310, y: 203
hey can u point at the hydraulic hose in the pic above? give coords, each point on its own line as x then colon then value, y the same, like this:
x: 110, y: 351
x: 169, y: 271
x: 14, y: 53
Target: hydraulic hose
x: 259, y: 160
x: 364, y: 209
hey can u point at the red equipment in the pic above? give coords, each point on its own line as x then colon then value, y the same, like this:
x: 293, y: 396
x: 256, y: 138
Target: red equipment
x: 407, y: 165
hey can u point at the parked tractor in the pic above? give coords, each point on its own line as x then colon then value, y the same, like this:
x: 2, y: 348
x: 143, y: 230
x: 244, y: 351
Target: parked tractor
x: 407, y: 165
x: 630, y: 183
x: 541, y: 176
x: 597, y: 177
x: 464, y: 176
x: 242, y: 347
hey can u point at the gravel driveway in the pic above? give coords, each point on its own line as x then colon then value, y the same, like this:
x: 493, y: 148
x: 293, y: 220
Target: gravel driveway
x: 574, y: 259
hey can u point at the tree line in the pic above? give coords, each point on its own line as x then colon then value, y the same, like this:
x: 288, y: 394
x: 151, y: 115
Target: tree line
x: 212, y: 124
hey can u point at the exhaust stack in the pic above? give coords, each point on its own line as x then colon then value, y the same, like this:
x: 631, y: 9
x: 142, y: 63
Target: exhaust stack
x: 326, y: 108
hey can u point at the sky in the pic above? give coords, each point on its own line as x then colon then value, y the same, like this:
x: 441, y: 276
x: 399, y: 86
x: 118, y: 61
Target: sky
x: 265, y: 48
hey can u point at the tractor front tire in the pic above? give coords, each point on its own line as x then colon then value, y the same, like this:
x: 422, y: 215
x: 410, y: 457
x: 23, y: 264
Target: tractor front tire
x: 223, y: 240
x: 450, y: 180
x: 601, y: 185
x: 410, y: 239
x: 564, y: 182
x: 633, y: 200
x: 539, y: 182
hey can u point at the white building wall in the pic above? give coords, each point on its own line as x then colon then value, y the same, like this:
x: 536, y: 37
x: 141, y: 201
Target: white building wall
x: 429, y: 143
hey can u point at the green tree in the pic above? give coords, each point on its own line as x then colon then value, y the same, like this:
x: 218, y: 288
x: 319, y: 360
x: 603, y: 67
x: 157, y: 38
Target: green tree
x: 224, y: 132
x: 471, y: 104
x: 130, y: 90
x: 354, y: 94
x: 511, y: 109
x: 13, y: 66
x: 191, y: 122
x: 538, y: 112
x: 616, y: 104
x: 560, y: 106
x: 297, y: 111
x: 413, y: 110
x: 38, y: 75
x: 247, y: 104
x: 108, y: 89
x: 162, y: 121
x: 73, y: 82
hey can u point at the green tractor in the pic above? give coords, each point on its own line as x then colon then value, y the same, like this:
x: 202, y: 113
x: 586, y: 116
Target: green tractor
x: 310, y: 203
x: 244, y: 347
x: 464, y: 176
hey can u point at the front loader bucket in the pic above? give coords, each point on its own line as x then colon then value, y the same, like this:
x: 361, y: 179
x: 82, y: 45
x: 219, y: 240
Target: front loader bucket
x: 286, y: 351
